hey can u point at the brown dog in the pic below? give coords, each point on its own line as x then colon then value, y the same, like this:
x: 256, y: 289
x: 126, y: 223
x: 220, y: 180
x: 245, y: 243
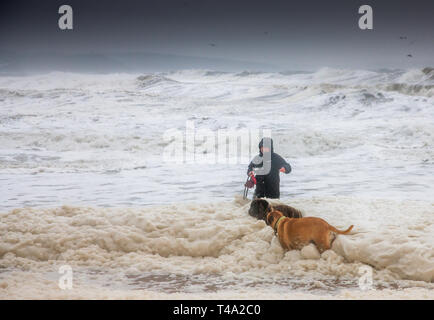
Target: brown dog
x: 295, y: 233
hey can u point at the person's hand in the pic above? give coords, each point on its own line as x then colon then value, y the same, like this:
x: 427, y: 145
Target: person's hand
x: 251, y: 173
x: 282, y: 170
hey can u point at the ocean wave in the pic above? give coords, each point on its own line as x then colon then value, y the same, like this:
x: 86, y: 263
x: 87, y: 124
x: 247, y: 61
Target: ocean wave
x: 248, y: 73
x: 412, y: 76
x: 68, y: 150
x: 410, y: 89
x: 153, y: 79
x: 6, y: 94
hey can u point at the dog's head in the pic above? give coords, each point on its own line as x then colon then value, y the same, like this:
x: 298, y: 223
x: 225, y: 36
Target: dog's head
x: 272, y: 217
x: 259, y: 208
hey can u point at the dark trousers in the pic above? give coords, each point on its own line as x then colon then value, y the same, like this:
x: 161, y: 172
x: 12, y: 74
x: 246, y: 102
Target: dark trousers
x: 267, y: 190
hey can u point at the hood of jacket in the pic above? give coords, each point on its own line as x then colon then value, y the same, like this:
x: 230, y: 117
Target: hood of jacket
x: 268, y: 142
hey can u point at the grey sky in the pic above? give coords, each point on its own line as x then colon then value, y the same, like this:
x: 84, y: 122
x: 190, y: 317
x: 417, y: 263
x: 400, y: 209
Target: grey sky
x: 290, y: 34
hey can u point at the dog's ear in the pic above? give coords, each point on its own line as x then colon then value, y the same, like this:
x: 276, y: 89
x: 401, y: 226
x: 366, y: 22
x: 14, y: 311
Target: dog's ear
x: 269, y: 218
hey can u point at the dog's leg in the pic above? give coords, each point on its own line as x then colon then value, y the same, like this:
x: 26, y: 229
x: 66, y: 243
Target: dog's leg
x: 324, y: 242
x: 332, y: 238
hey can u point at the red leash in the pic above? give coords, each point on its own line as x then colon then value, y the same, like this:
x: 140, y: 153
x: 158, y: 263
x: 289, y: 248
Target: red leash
x: 250, y: 183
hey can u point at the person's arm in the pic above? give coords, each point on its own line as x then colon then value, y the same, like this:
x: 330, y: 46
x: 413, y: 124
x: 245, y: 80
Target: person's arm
x: 282, y: 164
x: 257, y: 162
x: 250, y: 168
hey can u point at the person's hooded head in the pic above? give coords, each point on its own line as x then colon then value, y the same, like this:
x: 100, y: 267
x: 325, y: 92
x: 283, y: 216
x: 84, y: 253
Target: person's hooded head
x: 266, y: 145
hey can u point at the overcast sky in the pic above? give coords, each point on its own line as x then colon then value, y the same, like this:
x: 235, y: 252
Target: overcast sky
x: 290, y: 34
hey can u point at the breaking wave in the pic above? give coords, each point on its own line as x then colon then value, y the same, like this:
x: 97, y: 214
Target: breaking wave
x: 151, y: 79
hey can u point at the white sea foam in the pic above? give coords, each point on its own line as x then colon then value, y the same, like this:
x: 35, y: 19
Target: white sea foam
x: 220, y: 241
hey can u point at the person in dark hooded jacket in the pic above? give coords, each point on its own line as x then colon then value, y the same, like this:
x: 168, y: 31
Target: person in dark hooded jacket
x: 267, y: 166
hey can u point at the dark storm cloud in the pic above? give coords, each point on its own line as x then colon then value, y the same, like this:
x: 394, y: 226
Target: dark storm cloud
x: 290, y: 34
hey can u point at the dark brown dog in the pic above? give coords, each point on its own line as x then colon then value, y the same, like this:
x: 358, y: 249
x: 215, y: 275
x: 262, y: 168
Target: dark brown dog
x: 259, y: 209
x: 296, y: 233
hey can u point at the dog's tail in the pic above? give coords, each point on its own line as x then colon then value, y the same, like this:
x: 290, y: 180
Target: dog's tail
x: 341, y: 232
